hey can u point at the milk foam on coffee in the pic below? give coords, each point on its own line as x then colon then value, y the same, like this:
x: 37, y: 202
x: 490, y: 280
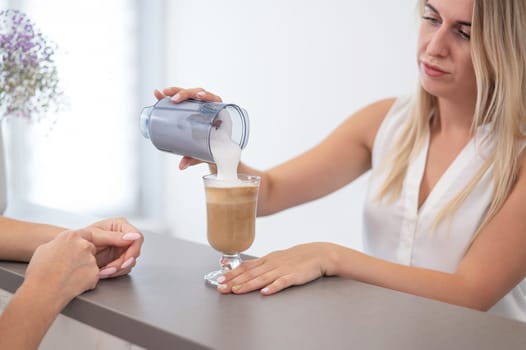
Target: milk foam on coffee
x: 226, y: 152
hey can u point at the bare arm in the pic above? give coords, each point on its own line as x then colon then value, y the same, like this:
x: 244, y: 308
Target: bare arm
x: 340, y: 158
x: 493, y: 265
x: 63, y: 264
x: 20, y: 238
x: 20, y: 328
x: 59, y: 270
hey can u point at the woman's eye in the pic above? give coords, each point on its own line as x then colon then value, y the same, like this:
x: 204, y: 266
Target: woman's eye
x: 464, y: 35
x: 431, y: 20
x: 464, y: 32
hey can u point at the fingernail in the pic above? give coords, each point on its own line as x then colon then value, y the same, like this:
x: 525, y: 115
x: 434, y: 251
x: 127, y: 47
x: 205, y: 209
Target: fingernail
x: 200, y: 94
x: 265, y: 290
x: 131, y: 236
x: 127, y: 263
x: 222, y: 286
x: 176, y: 97
x: 107, y: 272
x: 221, y: 279
x: 236, y: 288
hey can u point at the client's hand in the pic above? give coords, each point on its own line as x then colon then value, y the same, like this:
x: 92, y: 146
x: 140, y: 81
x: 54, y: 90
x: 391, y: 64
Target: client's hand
x: 118, y: 245
x: 63, y: 268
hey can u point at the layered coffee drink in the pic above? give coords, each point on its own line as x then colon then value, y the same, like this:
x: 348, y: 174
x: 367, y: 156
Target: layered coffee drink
x: 231, y: 201
x: 231, y: 217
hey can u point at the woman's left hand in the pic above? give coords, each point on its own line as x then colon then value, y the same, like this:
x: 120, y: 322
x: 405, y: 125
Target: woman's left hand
x: 279, y: 270
x: 118, y: 245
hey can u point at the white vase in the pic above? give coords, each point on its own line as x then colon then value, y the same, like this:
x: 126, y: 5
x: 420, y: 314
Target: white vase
x: 3, y: 171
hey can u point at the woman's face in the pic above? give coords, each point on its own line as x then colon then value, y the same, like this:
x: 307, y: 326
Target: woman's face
x: 444, y: 56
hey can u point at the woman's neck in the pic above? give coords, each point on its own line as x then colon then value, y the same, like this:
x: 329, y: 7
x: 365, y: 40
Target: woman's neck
x: 453, y: 117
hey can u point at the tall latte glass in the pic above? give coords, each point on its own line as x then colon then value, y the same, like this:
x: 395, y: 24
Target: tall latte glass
x: 231, y: 219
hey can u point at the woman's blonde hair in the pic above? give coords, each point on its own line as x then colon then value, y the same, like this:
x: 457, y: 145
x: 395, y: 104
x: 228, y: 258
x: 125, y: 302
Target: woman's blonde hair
x: 498, y: 51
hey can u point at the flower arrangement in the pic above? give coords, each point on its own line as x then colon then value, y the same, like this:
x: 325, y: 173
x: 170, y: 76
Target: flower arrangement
x: 29, y: 84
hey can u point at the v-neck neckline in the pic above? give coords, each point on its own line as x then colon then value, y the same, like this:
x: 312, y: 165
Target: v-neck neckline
x: 415, y: 173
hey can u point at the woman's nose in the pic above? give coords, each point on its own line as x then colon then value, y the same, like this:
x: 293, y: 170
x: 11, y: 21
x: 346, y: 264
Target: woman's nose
x: 438, y: 43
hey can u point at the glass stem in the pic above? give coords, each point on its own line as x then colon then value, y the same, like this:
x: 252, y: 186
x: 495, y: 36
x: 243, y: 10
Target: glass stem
x: 229, y: 262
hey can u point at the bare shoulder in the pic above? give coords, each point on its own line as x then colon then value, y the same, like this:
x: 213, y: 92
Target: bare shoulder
x: 520, y: 181
x: 367, y: 120
x: 380, y: 106
x: 521, y: 176
x: 515, y: 203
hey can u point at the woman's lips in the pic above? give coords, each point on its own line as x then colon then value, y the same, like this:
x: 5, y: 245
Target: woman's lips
x: 432, y: 71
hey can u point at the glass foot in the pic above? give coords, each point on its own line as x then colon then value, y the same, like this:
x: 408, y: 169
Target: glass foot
x: 211, y: 278
x: 227, y: 262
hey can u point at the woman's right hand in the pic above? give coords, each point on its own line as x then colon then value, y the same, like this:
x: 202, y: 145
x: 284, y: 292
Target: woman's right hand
x: 177, y: 95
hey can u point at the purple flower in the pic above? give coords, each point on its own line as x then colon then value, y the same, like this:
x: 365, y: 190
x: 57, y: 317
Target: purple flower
x: 29, y: 84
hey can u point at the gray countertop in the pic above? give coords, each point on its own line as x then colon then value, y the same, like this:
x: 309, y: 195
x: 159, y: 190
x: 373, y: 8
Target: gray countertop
x: 165, y: 304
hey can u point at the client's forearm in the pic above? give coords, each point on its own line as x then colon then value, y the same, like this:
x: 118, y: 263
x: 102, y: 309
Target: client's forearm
x: 27, y: 318
x: 20, y: 238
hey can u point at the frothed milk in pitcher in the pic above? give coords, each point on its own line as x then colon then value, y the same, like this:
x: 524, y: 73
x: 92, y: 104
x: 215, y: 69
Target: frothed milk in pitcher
x: 187, y: 128
x: 226, y: 152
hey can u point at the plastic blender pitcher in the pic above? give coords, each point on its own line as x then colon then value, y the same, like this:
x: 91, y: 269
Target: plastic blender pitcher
x: 185, y: 128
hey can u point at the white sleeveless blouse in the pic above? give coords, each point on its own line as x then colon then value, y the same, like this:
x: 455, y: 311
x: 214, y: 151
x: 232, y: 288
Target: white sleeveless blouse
x: 400, y: 232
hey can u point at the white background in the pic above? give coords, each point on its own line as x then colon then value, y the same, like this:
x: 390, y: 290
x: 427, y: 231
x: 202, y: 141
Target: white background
x: 298, y: 67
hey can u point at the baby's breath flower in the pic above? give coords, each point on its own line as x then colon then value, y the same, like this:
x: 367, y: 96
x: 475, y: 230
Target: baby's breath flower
x: 29, y: 84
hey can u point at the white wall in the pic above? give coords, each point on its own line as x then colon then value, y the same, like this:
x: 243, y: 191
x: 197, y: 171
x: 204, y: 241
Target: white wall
x: 299, y: 68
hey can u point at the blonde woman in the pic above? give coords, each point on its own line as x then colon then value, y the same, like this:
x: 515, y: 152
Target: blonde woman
x: 445, y: 214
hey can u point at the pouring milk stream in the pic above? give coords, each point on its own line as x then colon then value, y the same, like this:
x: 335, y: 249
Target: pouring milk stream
x: 226, y: 152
